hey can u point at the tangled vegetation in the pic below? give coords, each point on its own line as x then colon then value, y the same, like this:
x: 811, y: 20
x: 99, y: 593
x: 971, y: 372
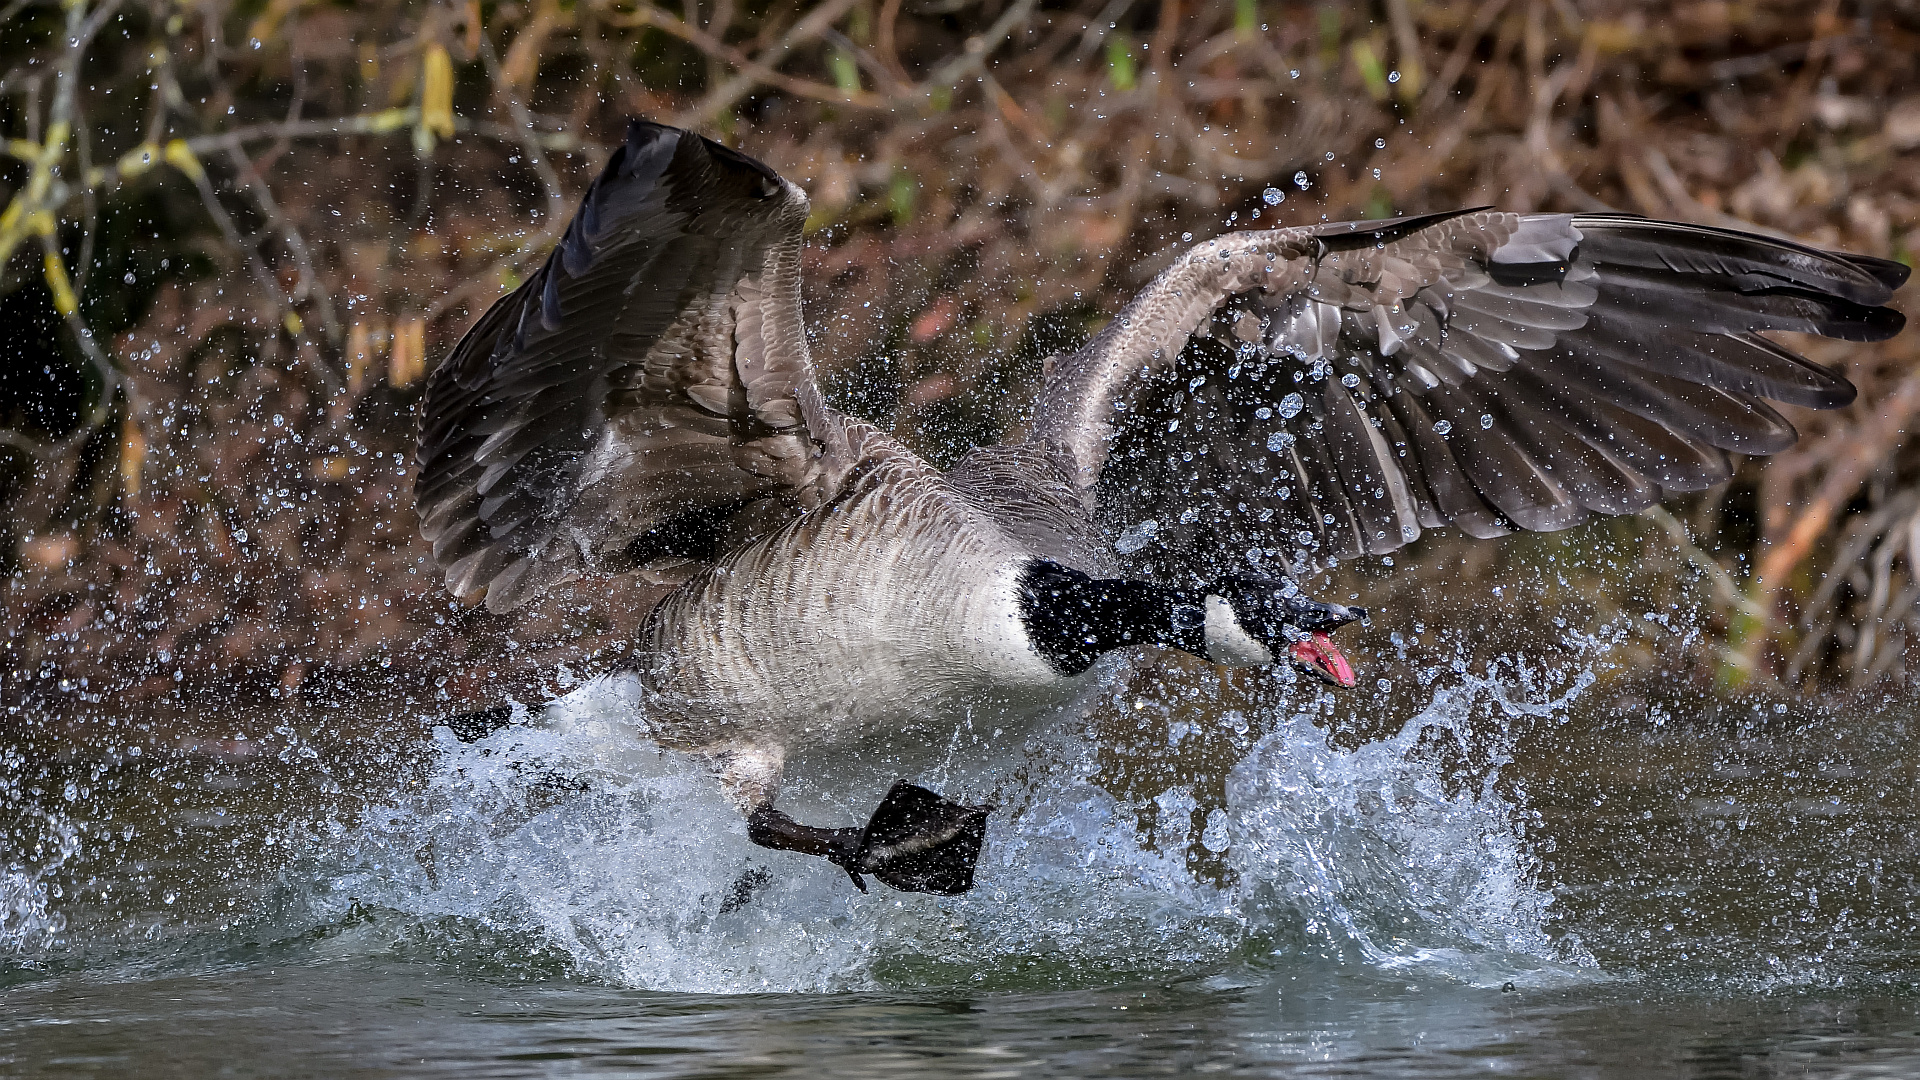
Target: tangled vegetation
x: 236, y: 235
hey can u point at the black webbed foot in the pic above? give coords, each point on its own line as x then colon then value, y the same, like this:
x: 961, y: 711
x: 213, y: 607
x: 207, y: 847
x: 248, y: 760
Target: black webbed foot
x: 916, y: 841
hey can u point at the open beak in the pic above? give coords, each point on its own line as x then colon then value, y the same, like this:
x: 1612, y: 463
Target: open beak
x: 1317, y: 655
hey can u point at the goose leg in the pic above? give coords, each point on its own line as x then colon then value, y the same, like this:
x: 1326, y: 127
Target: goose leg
x: 916, y: 841
x: 772, y: 829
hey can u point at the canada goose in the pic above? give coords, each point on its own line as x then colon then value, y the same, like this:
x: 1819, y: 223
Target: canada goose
x: 644, y: 403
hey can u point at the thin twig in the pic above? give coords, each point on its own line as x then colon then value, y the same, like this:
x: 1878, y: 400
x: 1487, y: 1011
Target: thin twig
x: 529, y: 142
x: 730, y: 93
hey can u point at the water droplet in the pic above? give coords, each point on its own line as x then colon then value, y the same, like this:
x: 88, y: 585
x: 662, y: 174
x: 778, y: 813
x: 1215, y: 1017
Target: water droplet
x: 1186, y: 237
x: 1486, y: 421
x: 1263, y: 413
x: 1273, y: 196
x: 1442, y: 427
x: 1349, y: 380
x: 1379, y: 144
x: 1214, y: 837
x: 1279, y: 441
x: 1137, y: 537
x: 1291, y: 405
x: 1300, y: 180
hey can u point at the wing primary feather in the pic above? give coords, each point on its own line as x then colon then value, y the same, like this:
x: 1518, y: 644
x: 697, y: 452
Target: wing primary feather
x: 1518, y: 371
x: 546, y: 418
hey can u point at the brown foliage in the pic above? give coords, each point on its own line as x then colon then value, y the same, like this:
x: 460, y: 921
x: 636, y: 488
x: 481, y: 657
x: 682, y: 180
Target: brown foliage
x: 343, y: 188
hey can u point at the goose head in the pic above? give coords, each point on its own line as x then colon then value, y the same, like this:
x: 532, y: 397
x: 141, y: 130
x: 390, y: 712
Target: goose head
x: 1257, y: 620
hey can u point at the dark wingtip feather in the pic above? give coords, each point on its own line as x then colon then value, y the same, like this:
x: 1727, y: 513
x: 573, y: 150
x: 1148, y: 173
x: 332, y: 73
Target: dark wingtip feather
x: 1886, y: 271
x: 1749, y: 261
x: 1844, y: 320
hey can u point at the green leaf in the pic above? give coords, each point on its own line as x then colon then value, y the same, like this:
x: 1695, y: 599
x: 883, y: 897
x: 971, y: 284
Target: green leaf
x: 1246, y: 18
x: 1330, y: 23
x: 901, y: 195
x: 846, y: 73
x: 1380, y: 202
x: 1120, y: 66
x: 1372, y: 72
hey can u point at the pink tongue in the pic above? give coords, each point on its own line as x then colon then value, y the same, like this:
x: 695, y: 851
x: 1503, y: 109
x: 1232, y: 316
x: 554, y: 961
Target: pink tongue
x: 1319, y: 653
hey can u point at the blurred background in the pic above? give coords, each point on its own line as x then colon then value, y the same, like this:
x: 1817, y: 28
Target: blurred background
x: 236, y: 235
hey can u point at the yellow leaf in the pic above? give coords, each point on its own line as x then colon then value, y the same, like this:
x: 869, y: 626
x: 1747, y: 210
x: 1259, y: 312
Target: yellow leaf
x: 400, y: 358
x: 57, y: 283
x: 436, y: 92
x: 1612, y: 38
x: 390, y: 120
x: 180, y: 156
x: 292, y: 323
x: 133, y: 456
x: 138, y: 160
x: 269, y: 20
x: 407, y: 362
x: 362, y: 342
x: 56, y: 143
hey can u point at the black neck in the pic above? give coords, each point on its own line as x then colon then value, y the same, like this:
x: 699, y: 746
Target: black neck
x: 1072, y: 618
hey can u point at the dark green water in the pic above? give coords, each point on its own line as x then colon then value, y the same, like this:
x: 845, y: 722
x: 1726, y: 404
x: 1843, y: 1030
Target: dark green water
x: 1521, y: 878
x: 367, y: 1020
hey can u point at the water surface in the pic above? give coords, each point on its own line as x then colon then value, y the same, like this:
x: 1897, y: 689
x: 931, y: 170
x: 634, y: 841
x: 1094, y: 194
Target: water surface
x: 1518, y: 874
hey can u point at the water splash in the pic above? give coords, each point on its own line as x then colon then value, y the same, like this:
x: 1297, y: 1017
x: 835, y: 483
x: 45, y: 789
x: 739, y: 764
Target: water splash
x: 582, y: 839
x: 36, y: 843
x: 1387, y: 855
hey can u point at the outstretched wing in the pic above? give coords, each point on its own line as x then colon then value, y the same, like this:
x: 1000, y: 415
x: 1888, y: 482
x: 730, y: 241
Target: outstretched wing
x: 1334, y: 390
x: 643, y: 391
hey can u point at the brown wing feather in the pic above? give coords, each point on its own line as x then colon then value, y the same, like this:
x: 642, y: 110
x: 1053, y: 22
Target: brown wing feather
x: 1334, y: 390
x: 641, y: 395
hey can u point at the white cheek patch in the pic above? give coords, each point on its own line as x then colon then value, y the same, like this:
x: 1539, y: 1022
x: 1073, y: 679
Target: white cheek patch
x: 1228, y: 642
